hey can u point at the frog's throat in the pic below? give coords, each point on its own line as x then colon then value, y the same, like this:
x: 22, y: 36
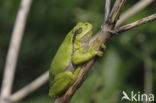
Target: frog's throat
x: 85, y: 41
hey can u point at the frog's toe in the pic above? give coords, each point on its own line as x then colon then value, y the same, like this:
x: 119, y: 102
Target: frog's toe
x: 52, y: 95
x: 99, y: 53
x: 103, y: 46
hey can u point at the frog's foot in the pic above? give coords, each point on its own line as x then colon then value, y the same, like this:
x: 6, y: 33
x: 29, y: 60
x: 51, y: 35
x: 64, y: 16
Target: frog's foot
x: 103, y: 46
x: 61, y: 82
x: 99, y: 53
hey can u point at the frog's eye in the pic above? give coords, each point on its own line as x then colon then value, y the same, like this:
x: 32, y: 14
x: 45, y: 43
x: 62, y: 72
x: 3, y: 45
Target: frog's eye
x: 78, y: 31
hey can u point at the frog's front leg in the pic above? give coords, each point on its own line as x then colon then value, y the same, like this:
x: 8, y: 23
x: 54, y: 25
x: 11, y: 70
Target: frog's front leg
x: 94, y: 42
x: 80, y: 57
x: 61, y: 82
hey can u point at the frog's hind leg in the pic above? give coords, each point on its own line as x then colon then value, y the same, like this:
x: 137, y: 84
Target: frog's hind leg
x: 61, y: 82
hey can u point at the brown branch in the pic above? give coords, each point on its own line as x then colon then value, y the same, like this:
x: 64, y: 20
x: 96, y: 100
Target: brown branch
x: 13, y: 51
x: 111, y: 23
x: 134, y: 24
x: 107, y: 10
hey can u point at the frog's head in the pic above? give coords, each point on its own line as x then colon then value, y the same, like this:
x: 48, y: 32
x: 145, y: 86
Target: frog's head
x: 83, y: 31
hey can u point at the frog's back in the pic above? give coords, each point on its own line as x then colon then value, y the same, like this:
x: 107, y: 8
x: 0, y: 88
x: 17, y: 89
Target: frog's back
x: 63, y: 56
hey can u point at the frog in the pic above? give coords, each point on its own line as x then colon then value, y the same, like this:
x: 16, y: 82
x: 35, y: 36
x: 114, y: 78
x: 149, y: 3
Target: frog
x: 73, y: 52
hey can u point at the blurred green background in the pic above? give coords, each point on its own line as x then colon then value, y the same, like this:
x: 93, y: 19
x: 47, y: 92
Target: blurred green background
x: 121, y: 67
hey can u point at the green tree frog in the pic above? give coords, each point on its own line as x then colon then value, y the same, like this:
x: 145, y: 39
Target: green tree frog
x: 73, y: 52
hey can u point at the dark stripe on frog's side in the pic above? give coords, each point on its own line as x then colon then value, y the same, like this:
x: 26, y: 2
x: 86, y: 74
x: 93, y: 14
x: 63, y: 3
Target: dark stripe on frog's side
x: 85, y: 45
x: 71, y: 67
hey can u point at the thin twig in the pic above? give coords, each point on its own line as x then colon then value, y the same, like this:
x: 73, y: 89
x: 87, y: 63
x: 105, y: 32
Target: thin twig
x: 114, y: 16
x: 116, y: 12
x: 133, y: 10
x: 29, y: 88
x: 135, y: 24
x: 107, y: 10
x: 13, y: 51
